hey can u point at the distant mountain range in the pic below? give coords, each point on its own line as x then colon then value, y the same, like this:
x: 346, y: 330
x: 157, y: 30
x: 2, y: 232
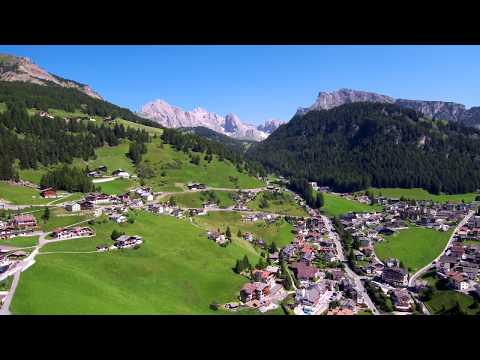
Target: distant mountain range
x: 437, y: 110
x: 14, y: 68
x: 230, y: 125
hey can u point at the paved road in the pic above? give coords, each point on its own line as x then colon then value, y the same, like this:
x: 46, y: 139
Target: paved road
x: 5, y: 310
x: 411, y: 282
x: 341, y: 255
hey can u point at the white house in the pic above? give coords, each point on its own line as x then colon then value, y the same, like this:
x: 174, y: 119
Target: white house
x: 73, y: 207
x: 121, y: 174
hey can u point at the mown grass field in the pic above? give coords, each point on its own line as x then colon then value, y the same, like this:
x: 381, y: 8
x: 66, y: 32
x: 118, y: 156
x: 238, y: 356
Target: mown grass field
x: 415, y: 246
x: 113, y: 157
x: 176, y: 271
x: 421, y: 194
x: 33, y: 175
x: 445, y: 299
x: 284, y: 204
x: 21, y: 195
x: 59, y: 218
x: 280, y: 232
x: 172, y: 167
x: 21, y: 241
x: 196, y: 199
x: 336, y: 206
x: 118, y: 186
x: 136, y: 126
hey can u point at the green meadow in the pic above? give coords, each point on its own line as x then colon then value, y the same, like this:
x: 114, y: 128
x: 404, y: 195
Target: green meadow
x: 118, y: 186
x: 283, y: 203
x: 21, y: 195
x: 113, y: 157
x: 136, y: 126
x: 196, y: 199
x: 59, y: 218
x: 415, y: 246
x: 172, y: 168
x: 21, y: 241
x: 176, y: 271
x: 444, y: 299
x: 421, y: 194
x: 336, y: 206
x: 280, y: 231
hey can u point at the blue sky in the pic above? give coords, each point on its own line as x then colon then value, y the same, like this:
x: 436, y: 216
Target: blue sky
x: 262, y: 82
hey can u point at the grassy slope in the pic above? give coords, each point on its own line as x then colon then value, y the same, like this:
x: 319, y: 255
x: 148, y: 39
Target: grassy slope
x: 336, y: 206
x: 21, y: 195
x: 57, y: 220
x: 280, y: 232
x: 133, y: 125
x: 196, y: 199
x: 421, y: 194
x: 118, y: 186
x: 415, y: 247
x: 21, y: 241
x: 286, y: 206
x: 112, y: 157
x: 447, y: 298
x: 177, y: 271
x: 214, y: 174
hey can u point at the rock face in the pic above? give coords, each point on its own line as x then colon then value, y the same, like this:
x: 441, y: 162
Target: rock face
x: 14, y: 68
x: 175, y: 117
x: 449, y: 111
x: 438, y: 110
x: 329, y: 100
x: 270, y: 125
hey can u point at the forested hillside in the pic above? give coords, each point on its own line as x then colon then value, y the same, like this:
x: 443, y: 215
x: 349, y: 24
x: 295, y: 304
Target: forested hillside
x: 355, y: 146
x: 38, y: 141
x: 45, y: 97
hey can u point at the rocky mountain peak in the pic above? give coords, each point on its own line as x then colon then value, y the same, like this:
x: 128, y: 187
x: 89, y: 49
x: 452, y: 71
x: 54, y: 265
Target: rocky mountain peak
x: 270, y: 125
x: 174, y: 117
x: 437, y: 110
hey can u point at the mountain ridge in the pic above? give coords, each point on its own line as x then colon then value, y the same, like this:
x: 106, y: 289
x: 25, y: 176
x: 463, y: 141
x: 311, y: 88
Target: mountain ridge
x: 437, y: 110
x: 23, y: 69
x: 172, y: 116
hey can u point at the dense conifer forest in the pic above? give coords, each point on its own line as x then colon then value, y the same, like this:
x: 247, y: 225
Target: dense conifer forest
x: 359, y: 145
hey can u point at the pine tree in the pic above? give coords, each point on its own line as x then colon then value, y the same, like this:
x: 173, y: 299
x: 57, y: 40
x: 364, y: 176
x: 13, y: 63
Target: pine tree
x: 46, y: 214
x: 228, y: 233
x: 246, y: 263
x: 238, y: 266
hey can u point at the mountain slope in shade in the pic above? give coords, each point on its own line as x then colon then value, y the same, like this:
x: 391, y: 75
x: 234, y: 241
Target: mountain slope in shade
x: 230, y: 125
x: 13, y: 68
x: 437, y: 110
